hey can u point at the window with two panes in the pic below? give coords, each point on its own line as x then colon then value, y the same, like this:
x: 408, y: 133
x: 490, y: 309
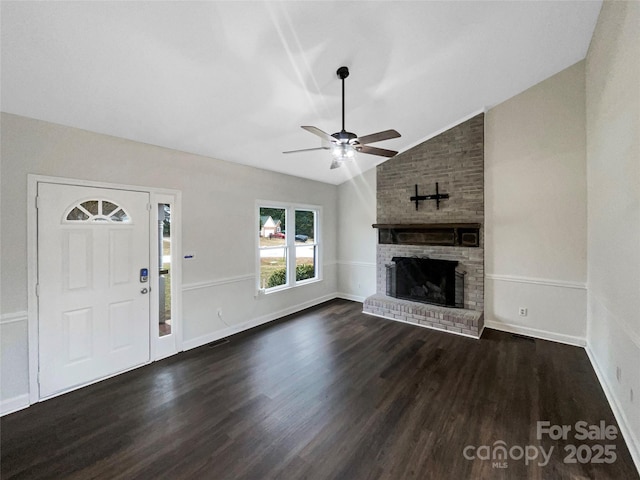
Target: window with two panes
x: 287, y: 243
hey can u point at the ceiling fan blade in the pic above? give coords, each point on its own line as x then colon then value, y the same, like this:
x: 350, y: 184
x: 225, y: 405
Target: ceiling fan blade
x: 320, y: 133
x: 378, y: 137
x: 383, y: 152
x: 307, y: 150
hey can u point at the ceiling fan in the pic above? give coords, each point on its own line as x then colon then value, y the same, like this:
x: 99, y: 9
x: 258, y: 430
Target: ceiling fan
x: 343, y: 144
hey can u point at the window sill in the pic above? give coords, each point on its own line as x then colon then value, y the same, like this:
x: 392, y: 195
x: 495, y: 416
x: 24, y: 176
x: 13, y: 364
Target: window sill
x: 288, y: 287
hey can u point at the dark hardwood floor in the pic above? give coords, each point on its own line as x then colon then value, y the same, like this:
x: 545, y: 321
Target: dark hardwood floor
x: 329, y: 393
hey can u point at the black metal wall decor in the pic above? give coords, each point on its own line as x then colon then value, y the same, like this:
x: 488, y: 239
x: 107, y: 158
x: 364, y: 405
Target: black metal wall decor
x: 418, y: 198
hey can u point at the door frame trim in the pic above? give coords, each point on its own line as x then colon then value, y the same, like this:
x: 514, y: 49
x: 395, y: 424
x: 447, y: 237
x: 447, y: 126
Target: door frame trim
x: 32, y: 265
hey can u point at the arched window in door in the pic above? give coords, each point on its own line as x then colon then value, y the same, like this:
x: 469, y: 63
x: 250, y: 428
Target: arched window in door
x: 97, y: 211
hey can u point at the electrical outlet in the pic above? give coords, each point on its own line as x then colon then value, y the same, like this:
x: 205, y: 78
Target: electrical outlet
x: 619, y: 374
x: 522, y: 311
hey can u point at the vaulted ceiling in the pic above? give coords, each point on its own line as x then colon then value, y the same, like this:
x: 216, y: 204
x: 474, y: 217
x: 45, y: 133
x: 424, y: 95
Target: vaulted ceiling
x: 236, y: 80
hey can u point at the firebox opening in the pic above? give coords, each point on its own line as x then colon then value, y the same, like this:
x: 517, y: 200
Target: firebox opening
x: 426, y: 280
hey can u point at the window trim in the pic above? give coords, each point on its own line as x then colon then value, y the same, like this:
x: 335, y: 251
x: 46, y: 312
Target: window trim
x: 290, y: 244
x: 315, y: 243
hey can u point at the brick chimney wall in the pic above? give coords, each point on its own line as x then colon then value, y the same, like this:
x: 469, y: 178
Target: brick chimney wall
x: 454, y: 159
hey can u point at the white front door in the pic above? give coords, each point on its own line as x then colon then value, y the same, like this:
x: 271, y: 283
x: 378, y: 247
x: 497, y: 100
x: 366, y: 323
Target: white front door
x: 93, y: 309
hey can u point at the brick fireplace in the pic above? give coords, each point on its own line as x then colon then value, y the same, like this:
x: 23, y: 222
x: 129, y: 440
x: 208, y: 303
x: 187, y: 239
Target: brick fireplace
x: 446, y: 229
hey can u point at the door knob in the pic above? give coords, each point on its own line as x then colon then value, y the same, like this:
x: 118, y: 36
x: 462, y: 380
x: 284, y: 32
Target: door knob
x: 144, y: 290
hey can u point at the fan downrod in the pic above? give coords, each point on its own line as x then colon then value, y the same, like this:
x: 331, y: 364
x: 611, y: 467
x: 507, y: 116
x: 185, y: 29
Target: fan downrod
x: 343, y: 72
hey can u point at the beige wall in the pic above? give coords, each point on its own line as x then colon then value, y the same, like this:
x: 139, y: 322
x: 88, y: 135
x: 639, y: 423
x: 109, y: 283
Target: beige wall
x: 536, y: 213
x: 214, y: 194
x: 613, y: 172
x: 357, y: 239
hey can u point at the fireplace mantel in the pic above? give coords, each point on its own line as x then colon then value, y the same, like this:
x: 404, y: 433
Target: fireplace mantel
x: 444, y: 234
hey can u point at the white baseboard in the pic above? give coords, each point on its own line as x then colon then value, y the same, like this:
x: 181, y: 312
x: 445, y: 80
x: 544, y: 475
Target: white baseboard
x: 14, y: 404
x: 241, y: 327
x: 534, y: 332
x: 630, y: 439
x: 349, y: 296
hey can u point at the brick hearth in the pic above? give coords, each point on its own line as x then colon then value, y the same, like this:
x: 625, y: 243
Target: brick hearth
x: 456, y: 320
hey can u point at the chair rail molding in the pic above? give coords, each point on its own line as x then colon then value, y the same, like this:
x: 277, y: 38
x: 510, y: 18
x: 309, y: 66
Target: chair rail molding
x: 21, y: 316
x: 218, y: 282
x: 536, y: 281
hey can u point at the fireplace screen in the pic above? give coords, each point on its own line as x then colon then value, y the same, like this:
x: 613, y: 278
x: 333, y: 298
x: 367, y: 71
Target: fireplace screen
x: 426, y: 280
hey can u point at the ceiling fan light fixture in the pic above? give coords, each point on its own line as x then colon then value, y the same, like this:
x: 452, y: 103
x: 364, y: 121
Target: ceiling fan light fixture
x: 344, y: 145
x: 343, y: 151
